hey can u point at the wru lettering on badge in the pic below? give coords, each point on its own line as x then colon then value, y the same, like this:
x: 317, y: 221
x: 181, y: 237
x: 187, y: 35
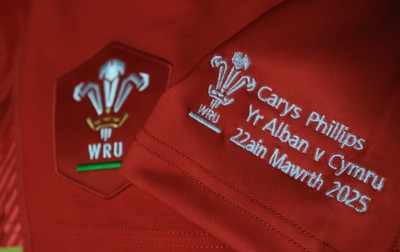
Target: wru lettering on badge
x: 115, y: 92
x: 222, y: 92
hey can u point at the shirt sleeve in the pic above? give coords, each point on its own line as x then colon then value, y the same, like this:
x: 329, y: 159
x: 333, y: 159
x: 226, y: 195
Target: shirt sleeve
x: 285, y: 137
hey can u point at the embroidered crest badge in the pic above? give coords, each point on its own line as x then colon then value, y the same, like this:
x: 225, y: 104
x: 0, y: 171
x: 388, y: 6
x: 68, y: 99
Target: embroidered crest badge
x: 222, y: 92
x: 99, y: 108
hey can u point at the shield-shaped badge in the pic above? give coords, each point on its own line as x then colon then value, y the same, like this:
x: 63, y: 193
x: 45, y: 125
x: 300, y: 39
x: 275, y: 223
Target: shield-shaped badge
x: 99, y: 108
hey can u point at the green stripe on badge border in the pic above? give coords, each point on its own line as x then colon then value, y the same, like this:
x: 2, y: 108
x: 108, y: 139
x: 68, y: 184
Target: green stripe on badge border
x: 98, y: 166
x: 11, y: 249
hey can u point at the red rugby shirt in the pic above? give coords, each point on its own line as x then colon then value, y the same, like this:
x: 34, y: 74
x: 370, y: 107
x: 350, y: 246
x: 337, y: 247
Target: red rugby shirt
x: 57, y: 39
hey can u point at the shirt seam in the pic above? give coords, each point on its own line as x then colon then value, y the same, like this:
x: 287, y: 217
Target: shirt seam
x: 145, y: 242
x: 242, y: 192
x: 223, y: 197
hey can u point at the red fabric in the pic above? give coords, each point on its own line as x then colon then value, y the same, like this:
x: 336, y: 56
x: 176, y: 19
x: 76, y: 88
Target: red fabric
x: 59, y: 36
x: 193, y: 189
x: 11, y: 231
x: 339, y: 58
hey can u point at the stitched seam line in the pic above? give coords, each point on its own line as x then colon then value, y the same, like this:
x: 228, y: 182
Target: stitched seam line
x: 127, y: 228
x: 247, y: 195
x: 273, y: 228
x: 145, y: 242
